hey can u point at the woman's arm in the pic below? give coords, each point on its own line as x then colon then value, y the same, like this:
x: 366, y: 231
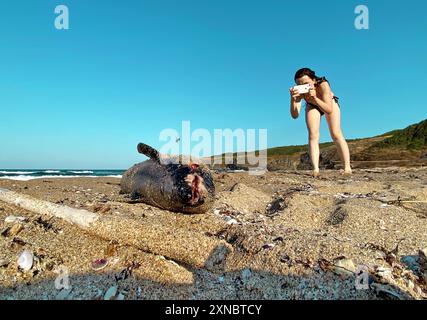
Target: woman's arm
x: 322, y: 97
x: 295, y: 103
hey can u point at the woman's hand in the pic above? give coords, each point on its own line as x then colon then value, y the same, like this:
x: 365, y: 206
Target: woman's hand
x: 311, y: 96
x: 295, y: 96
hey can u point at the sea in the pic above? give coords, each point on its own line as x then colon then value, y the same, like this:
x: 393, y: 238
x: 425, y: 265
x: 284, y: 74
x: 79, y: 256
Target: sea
x: 29, y: 174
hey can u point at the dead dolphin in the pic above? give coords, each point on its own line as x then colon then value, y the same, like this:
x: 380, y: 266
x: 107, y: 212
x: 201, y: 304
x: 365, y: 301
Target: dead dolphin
x: 170, y: 183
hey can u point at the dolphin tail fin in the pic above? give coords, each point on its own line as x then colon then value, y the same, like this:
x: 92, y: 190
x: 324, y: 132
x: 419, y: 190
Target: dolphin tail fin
x: 148, y: 151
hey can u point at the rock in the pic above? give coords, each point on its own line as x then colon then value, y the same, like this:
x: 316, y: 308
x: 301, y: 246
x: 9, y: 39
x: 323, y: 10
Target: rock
x: 276, y: 206
x: 14, y: 219
x: 268, y: 246
x: 344, y: 266
x: 111, y: 293
x: 338, y: 216
x: 325, y: 160
x: 25, y: 260
x: 411, y: 262
x: 286, y: 259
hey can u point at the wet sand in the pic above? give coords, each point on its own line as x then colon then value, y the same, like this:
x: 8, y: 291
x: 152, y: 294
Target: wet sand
x: 293, y: 237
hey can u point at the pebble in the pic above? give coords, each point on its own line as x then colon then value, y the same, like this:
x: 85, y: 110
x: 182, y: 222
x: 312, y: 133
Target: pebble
x: 4, y: 263
x: 111, y: 293
x: 14, y: 219
x: 268, y: 246
x: 217, y: 211
x: 25, y: 260
x: 227, y: 218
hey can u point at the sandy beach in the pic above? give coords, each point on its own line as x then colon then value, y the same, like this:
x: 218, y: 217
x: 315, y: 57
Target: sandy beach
x: 292, y: 237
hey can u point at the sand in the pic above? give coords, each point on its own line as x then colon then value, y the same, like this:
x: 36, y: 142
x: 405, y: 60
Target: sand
x: 289, y: 235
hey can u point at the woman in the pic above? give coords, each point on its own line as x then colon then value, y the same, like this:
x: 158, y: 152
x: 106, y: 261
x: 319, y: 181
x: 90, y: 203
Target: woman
x: 320, y: 101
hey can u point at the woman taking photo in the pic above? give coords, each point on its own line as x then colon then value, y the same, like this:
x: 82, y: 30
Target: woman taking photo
x: 320, y: 101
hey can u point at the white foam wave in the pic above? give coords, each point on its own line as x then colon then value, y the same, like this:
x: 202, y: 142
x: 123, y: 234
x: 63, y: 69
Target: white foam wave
x: 17, y: 172
x: 52, y: 171
x: 83, y: 171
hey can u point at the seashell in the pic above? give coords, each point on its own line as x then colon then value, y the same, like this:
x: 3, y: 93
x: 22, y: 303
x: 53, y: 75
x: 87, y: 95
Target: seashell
x: 344, y: 266
x: 99, y: 264
x: 14, y: 219
x: 25, y: 260
x: 232, y: 221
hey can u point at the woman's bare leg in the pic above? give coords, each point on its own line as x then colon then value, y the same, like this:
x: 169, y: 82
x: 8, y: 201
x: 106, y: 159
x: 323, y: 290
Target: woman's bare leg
x: 312, y: 118
x: 334, y: 123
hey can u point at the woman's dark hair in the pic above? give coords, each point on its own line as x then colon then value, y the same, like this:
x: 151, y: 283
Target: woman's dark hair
x: 305, y: 72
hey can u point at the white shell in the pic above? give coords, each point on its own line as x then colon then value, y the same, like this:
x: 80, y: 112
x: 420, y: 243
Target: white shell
x: 25, y: 260
x: 13, y: 219
x: 232, y: 221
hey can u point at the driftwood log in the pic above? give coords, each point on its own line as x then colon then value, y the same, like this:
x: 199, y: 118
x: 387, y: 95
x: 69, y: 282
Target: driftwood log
x: 193, y: 249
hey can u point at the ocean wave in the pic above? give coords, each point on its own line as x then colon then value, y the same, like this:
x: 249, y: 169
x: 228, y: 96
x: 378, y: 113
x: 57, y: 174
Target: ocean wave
x: 83, y: 171
x: 51, y: 171
x: 27, y: 178
x: 17, y: 172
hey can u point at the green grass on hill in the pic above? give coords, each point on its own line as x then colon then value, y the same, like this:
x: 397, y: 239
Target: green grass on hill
x: 412, y: 137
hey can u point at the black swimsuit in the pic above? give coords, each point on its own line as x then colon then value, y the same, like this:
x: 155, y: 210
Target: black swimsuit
x: 319, y: 81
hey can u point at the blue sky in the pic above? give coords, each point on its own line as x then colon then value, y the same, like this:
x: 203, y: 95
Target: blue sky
x: 125, y: 70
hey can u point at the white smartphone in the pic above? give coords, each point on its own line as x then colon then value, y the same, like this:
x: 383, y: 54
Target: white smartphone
x: 304, y: 88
